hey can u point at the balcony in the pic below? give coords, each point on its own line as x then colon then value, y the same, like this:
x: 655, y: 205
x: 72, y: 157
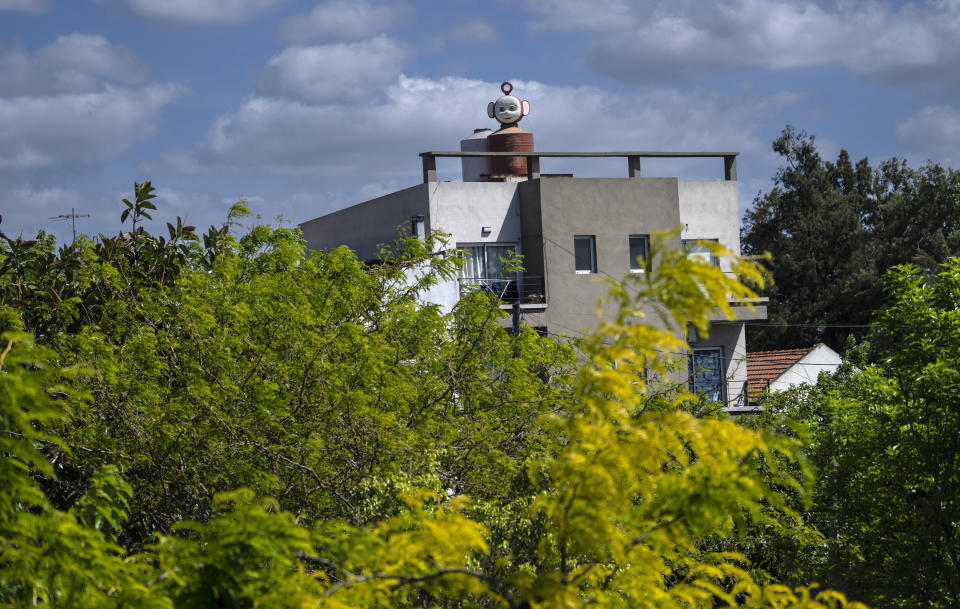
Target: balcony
x: 527, y: 291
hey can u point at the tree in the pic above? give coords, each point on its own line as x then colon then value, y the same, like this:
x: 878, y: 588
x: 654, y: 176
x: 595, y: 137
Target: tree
x: 606, y: 500
x: 833, y: 229
x: 886, y: 439
x: 312, y: 378
x: 51, y: 292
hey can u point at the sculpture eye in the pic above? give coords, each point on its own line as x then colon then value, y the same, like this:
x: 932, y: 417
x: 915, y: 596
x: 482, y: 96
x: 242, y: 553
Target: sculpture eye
x: 502, y: 109
x: 512, y: 108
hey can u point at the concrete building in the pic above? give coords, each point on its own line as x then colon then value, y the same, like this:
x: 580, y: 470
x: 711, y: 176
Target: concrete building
x: 569, y: 230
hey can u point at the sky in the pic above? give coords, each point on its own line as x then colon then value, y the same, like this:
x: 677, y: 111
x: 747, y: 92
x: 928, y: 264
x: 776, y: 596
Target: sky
x: 305, y: 107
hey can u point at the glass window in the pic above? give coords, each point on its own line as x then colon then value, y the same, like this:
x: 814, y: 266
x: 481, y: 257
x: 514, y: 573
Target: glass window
x: 706, y: 373
x: 585, y: 253
x: 419, y: 229
x: 483, y: 266
x: 696, y: 249
x: 639, y: 249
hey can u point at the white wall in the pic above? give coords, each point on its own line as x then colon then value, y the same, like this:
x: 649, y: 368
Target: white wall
x: 708, y: 210
x: 444, y: 294
x: 475, y: 169
x: 820, y: 359
x: 463, y: 208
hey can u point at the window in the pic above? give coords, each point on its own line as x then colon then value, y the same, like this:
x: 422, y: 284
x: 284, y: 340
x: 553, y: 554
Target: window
x: 482, y: 267
x: 585, y: 253
x: 418, y: 227
x: 696, y: 249
x: 706, y: 373
x: 639, y: 250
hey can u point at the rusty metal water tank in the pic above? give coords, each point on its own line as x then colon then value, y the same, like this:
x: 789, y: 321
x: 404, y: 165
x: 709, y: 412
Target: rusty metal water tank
x: 509, y: 139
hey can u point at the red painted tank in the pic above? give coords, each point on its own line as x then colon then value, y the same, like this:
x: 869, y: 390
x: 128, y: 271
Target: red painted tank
x: 509, y: 139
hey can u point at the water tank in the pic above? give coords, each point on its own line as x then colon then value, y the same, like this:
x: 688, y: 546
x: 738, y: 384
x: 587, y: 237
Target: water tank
x: 509, y: 139
x: 476, y: 169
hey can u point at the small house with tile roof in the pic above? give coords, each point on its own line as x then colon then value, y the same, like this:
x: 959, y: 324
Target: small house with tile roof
x: 778, y: 370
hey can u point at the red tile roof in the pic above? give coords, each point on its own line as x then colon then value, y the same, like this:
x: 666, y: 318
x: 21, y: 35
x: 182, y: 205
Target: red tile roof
x: 763, y: 367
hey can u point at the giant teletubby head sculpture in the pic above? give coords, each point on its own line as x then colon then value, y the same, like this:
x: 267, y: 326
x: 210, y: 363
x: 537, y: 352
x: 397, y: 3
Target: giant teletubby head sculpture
x: 508, y: 109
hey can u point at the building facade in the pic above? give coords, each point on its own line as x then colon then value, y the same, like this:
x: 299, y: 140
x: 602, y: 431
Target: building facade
x: 569, y: 231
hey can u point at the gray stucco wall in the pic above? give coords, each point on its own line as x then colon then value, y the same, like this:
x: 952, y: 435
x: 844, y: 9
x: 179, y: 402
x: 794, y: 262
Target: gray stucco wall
x: 367, y: 226
x: 543, y: 216
x: 610, y: 209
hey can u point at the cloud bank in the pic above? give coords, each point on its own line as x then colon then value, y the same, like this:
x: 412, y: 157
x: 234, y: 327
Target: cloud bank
x: 635, y: 41
x: 79, y: 99
x: 339, y: 20
x: 380, y: 139
x: 199, y: 12
x: 24, y: 6
x: 334, y: 73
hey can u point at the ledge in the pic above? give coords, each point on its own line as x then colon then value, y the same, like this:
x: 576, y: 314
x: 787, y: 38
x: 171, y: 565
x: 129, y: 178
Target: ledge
x: 533, y: 160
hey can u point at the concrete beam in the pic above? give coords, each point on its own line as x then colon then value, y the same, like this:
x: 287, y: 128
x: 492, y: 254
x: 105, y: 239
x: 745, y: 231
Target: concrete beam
x: 730, y: 168
x: 533, y: 168
x: 429, y: 168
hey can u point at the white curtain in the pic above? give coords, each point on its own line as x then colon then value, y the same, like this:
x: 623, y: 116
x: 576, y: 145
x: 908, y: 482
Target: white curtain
x: 473, y: 264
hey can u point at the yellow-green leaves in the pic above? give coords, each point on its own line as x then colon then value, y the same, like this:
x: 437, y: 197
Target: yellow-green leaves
x: 652, y: 310
x: 629, y: 493
x: 417, y: 459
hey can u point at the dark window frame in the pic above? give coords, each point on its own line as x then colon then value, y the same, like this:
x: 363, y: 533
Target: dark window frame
x: 699, y: 354
x: 638, y: 264
x: 591, y: 240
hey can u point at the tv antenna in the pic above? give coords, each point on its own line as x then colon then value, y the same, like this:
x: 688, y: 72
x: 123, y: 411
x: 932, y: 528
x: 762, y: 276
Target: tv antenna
x: 72, y: 216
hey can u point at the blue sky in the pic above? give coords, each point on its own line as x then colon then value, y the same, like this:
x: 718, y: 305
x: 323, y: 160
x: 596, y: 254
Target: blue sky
x: 304, y: 107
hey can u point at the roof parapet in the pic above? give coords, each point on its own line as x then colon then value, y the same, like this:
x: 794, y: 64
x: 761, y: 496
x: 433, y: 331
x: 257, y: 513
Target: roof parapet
x: 533, y: 160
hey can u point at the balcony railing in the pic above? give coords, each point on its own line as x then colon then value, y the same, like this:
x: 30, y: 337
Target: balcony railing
x: 522, y: 289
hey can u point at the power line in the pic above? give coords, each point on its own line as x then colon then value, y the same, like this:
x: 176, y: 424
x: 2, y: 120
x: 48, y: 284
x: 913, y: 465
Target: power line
x: 785, y: 325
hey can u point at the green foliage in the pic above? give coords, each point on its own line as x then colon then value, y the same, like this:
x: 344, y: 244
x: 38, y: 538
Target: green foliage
x: 835, y: 228
x: 417, y: 459
x: 885, y: 440
x: 50, y: 558
x: 313, y: 379
x: 58, y: 292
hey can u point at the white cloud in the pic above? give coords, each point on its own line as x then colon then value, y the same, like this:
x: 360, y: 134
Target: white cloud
x: 933, y: 134
x: 597, y: 15
x: 202, y: 11
x: 42, y: 199
x: 378, y: 140
x: 342, y: 20
x: 335, y: 73
x: 474, y: 30
x: 78, y: 127
x: 26, y: 6
x: 72, y: 63
x: 27, y: 208
x: 662, y: 38
x: 79, y: 99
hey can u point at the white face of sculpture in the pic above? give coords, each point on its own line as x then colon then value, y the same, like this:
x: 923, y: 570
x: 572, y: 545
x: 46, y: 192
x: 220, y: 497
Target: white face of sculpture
x: 507, y: 109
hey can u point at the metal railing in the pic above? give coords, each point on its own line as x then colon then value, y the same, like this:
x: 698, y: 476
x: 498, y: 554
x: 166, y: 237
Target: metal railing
x: 522, y: 289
